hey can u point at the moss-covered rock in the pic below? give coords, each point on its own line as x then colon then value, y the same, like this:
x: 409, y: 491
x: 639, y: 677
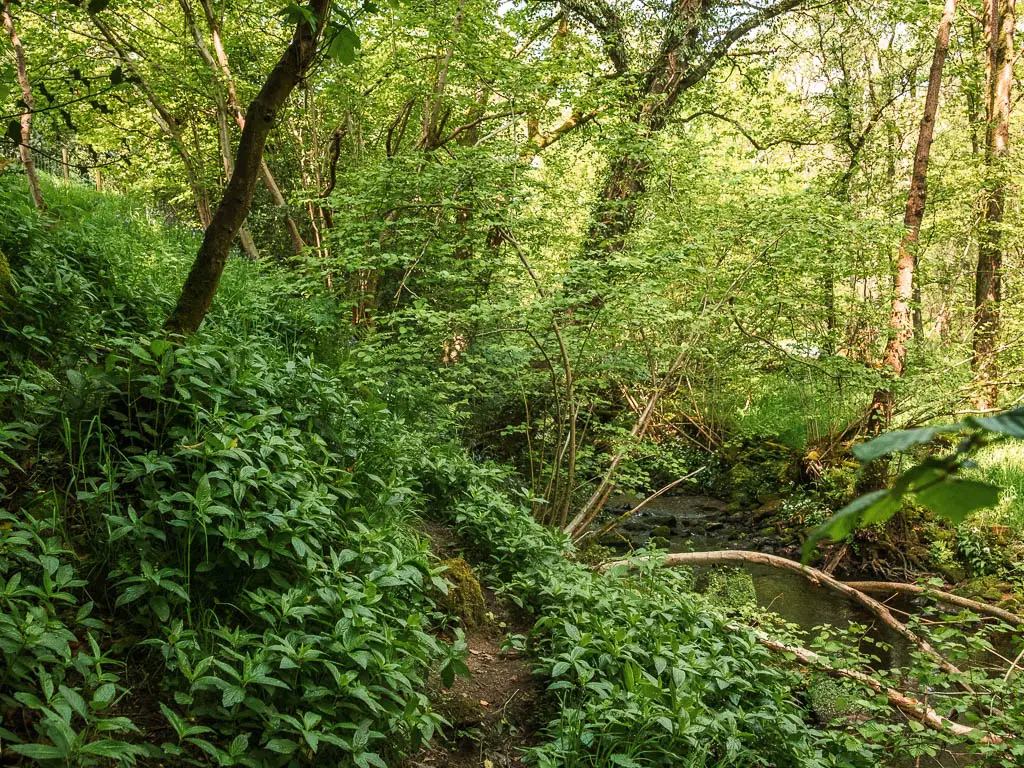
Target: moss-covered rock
x: 827, y: 699
x: 465, y: 598
x: 728, y: 587
x: 661, y: 530
x: 985, y: 588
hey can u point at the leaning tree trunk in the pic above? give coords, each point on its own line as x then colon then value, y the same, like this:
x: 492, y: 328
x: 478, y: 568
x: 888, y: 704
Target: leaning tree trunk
x: 24, y: 148
x: 999, y: 24
x: 202, y: 281
x: 223, y: 67
x: 901, y: 323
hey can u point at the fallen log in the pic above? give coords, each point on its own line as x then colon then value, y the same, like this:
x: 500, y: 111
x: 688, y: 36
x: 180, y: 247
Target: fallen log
x: 910, y: 706
x: 812, y: 574
x: 943, y: 597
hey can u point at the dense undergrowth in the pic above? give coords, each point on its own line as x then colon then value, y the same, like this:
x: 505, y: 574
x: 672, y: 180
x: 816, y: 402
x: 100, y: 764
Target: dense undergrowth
x: 206, y: 554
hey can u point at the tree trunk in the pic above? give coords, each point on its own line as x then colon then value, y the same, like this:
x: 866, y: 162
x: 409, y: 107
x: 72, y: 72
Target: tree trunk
x: 164, y: 118
x: 224, y: 141
x: 221, y: 67
x: 900, y: 317
x: 202, y: 281
x: 25, y: 148
x: 999, y: 24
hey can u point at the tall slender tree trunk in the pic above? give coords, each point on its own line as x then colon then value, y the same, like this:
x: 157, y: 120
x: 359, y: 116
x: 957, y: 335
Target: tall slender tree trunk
x: 235, y: 105
x: 1000, y: 18
x: 164, y: 118
x: 25, y: 148
x: 223, y: 129
x: 204, y: 278
x: 900, y: 316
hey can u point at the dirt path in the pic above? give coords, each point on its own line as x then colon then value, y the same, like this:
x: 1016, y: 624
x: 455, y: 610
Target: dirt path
x: 494, y: 713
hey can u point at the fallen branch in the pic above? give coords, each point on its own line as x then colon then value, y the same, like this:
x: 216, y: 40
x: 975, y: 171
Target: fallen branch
x: 814, y: 576
x: 943, y: 597
x: 910, y: 706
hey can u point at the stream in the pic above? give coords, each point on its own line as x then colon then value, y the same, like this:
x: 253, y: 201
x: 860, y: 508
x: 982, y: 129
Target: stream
x: 704, y: 524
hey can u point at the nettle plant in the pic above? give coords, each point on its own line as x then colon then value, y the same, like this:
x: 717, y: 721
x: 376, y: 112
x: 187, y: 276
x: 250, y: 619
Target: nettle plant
x: 935, y: 482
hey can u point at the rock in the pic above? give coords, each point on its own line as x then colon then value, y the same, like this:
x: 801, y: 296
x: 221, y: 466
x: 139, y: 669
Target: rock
x: 661, y: 532
x: 658, y: 541
x: 664, y: 521
x: 986, y: 588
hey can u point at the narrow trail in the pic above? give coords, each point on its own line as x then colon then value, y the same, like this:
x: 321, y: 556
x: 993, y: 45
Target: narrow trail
x: 494, y: 712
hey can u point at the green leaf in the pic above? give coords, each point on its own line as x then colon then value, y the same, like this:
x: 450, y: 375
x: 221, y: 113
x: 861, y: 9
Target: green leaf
x: 447, y: 675
x: 1009, y: 423
x: 294, y: 13
x: 875, y: 507
x: 38, y: 751
x: 282, y: 746
x: 955, y: 498
x: 160, y: 607
x: 103, y: 696
x: 893, y: 442
x: 343, y: 44
x: 109, y: 748
x: 232, y: 695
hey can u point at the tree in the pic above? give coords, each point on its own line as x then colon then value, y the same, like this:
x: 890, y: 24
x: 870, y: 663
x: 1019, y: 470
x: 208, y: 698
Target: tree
x: 900, y: 319
x: 25, y: 145
x: 203, y: 279
x: 999, y: 22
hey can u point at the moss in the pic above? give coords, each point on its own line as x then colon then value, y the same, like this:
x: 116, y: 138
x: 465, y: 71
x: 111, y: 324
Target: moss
x: 661, y: 530
x: 6, y: 281
x: 465, y: 598
x: 727, y: 587
x: 827, y: 699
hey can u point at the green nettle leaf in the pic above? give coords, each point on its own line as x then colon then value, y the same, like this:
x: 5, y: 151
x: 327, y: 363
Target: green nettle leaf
x: 38, y: 751
x: 447, y: 675
x: 955, y: 498
x: 232, y: 695
x: 875, y: 507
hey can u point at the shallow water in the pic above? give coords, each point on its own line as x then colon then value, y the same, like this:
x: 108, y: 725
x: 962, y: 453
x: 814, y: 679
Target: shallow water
x: 702, y: 524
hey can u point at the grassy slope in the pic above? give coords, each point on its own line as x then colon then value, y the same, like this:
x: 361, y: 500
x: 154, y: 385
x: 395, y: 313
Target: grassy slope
x: 205, y: 555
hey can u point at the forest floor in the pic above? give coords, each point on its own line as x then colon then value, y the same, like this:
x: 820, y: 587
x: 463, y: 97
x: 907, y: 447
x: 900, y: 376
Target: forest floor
x: 494, y: 713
